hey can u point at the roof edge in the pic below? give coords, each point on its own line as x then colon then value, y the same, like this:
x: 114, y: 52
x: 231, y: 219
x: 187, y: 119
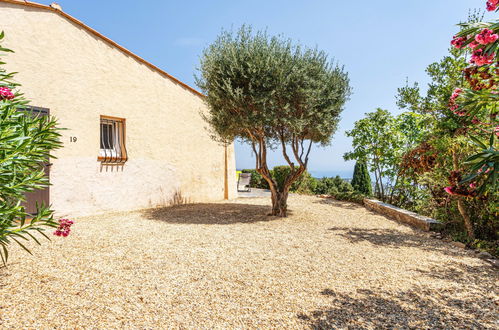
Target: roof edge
x: 106, y: 39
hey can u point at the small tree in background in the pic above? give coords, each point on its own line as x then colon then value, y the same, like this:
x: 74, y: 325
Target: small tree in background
x: 376, y: 140
x: 270, y: 92
x: 25, y: 143
x: 361, y: 181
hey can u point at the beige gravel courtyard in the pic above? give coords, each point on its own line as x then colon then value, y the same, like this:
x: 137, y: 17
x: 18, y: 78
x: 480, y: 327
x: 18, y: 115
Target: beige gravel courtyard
x: 228, y: 265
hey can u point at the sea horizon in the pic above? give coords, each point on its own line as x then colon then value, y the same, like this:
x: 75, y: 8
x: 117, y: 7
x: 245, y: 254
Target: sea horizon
x: 319, y: 174
x: 344, y: 174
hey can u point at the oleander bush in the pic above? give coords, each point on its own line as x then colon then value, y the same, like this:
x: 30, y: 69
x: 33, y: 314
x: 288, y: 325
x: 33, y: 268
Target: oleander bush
x: 440, y: 157
x: 26, y: 141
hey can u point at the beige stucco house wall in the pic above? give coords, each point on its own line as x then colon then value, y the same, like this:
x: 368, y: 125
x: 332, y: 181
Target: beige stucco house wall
x: 80, y: 75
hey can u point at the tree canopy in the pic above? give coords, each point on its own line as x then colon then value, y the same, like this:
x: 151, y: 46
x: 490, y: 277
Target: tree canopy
x: 271, y: 92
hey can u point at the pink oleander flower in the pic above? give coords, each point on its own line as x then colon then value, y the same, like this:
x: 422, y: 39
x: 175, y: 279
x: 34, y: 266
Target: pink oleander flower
x: 473, y: 44
x: 472, y: 185
x: 479, y: 58
x: 476, y: 121
x: 6, y: 93
x: 457, y: 42
x: 496, y: 131
x: 452, y: 101
x: 492, y: 5
x: 449, y: 190
x: 486, y: 37
x: 64, y: 228
x: 456, y: 94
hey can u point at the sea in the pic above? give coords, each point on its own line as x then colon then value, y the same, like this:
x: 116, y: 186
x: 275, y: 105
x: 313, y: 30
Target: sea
x: 346, y: 175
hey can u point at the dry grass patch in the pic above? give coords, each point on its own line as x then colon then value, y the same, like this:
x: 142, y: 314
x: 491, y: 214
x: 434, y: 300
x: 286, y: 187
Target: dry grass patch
x: 329, y: 264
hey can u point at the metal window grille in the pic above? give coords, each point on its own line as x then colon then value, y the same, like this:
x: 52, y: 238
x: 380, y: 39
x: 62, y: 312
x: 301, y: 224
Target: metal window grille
x: 112, y: 141
x: 36, y: 111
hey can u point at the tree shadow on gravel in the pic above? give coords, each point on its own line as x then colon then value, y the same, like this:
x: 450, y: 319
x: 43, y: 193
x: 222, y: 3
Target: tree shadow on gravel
x: 393, y: 238
x: 340, y: 204
x: 421, y: 309
x: 484, y: 275
x: 211, y: 214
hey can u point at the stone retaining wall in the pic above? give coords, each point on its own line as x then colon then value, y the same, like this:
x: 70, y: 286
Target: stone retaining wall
x: 401, y: 215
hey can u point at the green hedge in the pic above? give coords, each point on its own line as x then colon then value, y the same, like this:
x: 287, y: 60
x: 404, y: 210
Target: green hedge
x: 331, y: 186
x: 351, y: 196
x: 304, y: 185
x: 257, y: 181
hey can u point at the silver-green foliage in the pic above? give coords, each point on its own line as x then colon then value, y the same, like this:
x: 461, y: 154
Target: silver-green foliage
x: 258, y: 84
x: 269, y: 92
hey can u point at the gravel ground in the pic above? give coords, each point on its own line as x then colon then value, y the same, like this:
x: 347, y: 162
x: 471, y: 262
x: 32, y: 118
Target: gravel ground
x: 227, y: 265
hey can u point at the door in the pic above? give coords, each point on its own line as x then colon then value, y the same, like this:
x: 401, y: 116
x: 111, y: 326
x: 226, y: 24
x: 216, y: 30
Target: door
x: 38, y: 196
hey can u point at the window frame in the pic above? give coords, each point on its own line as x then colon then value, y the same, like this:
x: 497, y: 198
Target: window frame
x: 118, y: 153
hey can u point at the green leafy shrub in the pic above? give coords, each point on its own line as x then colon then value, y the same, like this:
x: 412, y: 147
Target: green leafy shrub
x: 330, y: 186
x: 25, y: 143
x: 301, y: 185
x: 305, y: 184
x: 257, y: 181
x: 350, y: 196
x: 280, y: 173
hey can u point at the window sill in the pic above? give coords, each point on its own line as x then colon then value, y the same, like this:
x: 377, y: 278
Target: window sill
x: 112, y: 160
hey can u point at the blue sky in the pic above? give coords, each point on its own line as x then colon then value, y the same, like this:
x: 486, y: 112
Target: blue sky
x: 380, y: 43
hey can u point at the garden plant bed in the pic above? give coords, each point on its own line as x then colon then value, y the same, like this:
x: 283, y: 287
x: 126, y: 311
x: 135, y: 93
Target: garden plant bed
x: 226, y: 265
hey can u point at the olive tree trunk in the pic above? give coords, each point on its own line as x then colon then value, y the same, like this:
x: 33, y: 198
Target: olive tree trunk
x: 280, y: 192
x: 280, y: 203
x: 468, y: 225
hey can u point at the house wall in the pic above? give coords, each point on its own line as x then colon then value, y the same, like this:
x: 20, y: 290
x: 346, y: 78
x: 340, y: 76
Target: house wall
x: 79, y: 77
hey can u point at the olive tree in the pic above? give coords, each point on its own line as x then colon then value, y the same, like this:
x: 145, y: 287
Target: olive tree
x: 272, y: 93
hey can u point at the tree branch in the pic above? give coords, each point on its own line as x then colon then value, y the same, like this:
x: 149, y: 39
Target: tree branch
x: 308, y: 153
x: 284, y: 153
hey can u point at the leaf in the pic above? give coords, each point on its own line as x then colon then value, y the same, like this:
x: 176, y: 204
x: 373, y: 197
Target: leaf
x: 478, y: 142
x: 468, y: 178
x: 20, y: 244
x: 481, y: 155
x: 5, y: 254
x: 34, y: 238
x: 40, y: 230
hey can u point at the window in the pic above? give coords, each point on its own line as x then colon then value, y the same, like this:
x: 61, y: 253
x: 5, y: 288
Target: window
x: 112, y: 140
